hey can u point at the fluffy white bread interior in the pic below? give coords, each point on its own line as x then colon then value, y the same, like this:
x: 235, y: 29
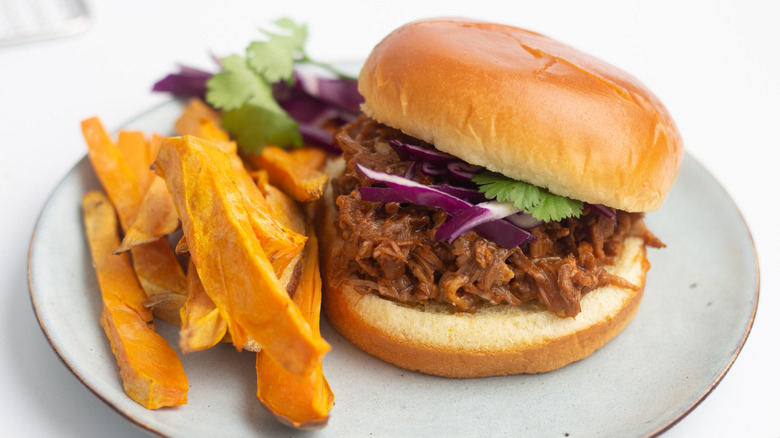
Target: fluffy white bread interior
x: 496, y: 340
x: 526, y: 106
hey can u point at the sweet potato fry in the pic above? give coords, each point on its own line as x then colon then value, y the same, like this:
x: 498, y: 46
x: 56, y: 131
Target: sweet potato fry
x: 192, y: 117
x: 155, y: 264
x: 162, y: 278
x: 285, y: 209
x: 202, y: 121
x: 295, y: 172
x: 299, y: 402
x: 151, y: 371
x: 280, y: 243
x: 313, y: 157
x: 100, y: 224
x: 156, y: 217
x: 135, y: 150
x: 260, y: 176
x: 154, y: 146
x: 201, y: 325
x: 115, y: 175
x: 230, y: 260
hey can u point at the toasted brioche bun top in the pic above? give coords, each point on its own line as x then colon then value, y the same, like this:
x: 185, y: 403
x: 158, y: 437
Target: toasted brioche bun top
x: 526, y: 106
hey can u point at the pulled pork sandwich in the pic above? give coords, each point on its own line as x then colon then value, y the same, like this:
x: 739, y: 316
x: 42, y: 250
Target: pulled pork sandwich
x: 488, y: 219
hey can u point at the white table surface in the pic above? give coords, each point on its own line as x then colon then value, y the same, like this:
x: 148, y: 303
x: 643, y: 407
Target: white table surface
x: 714, y: 64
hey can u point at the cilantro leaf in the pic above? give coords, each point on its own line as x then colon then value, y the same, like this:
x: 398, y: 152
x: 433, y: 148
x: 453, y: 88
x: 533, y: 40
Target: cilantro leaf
x: 260, y: 122
x: 297, y: 34
x: 502, y: 189
x: 235, y: 85
x: 555, y: 208
x: 273, y: 62
x: 538, y: 202
x: 251, y: 113
x: 274, y: 59
x: 244, y: 88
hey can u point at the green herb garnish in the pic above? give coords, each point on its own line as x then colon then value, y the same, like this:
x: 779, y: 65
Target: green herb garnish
x: 243, y: 89
x: 536, y: 201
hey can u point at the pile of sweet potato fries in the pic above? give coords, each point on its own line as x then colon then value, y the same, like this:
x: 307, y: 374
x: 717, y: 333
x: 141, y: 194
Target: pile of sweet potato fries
x: 252, y: 269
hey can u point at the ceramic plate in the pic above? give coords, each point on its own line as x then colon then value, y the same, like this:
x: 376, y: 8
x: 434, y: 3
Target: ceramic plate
x: 698, y: 307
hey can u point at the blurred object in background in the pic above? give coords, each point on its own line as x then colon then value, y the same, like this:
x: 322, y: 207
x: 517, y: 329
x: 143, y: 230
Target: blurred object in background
x: 24, y: 21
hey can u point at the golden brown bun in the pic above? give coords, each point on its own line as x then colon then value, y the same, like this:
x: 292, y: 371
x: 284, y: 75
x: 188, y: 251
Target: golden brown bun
x: 528, y: 107
x: 496, y: 340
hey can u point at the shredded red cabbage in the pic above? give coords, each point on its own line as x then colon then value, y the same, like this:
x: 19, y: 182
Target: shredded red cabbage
x: 410, y: 170
x: 473, y: 217
x: 438, y: 164
x: 603, y: 210
x: 462, y: 172
x: 473, y: 196
x: 400, y: 189
x: 312, y: 104
x: 505, y: 234
x: 320, y: 137
x: 312, y: 101
x: 309, y: 110
x: 417, y: 193
x: 524, y: 220
x: 188, y: 82
x: 420, y: 153
x: 337, y: 92
x: 430, y: 169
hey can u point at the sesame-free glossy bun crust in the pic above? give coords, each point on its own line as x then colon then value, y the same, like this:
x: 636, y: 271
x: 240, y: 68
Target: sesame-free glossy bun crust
x: 526, y: 106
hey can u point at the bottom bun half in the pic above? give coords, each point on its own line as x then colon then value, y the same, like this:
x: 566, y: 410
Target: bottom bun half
x: 493, y: 341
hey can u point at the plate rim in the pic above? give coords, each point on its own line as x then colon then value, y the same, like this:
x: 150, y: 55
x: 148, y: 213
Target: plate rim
x: 756, y: 297
x: 32, y: 293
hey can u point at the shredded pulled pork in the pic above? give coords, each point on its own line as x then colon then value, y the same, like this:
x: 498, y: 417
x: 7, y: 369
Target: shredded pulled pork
x: 390, y: 248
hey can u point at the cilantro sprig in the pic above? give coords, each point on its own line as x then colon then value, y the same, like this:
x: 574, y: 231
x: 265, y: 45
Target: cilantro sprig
x: 244, y: 88
x: 538, y: 202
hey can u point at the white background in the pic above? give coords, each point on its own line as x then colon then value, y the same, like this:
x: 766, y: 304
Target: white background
x: 714, y: 64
